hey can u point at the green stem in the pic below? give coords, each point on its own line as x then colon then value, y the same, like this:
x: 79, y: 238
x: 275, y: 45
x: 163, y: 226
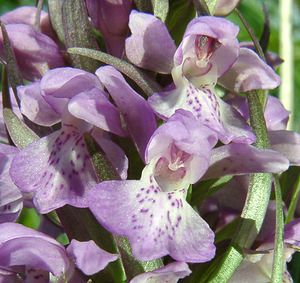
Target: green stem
x: 278, y: 259
x: 256, y: 203
x: 294, y: 201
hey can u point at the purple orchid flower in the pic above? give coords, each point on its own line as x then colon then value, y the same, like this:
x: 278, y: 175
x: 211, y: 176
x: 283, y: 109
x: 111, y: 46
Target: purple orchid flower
x: 11, y: 202
x: 27, y: 15
x: 169, y: 273
x: 155, y: 216
x: 158, y: 219
x: 131, y: 105
x: 150, y: 45
x: 35, y: 257
x: 276, y: 116
x: 111, y: 18
x: 57, y: 169
x: 208, y: 51
x: 35, y: 52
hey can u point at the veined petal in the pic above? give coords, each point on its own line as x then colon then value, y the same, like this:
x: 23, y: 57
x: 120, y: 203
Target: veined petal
x: 138, y: 116
x: 248, y: 73
x: 156, y: 223
x: 287, y: 143
x: 150, y: 45
x: 237, y: 159
x: 88, y: 257
x: 56, y: 170
x: 206, y: 107
x: 169, y: 273
x: 35, y: 107
x: 94, y: 107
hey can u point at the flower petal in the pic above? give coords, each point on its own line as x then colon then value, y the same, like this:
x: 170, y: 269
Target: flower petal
x: 114, y: 153
x: 248, y: 73
x: 169, y: 273
x: 24, y: 246
x: 59, y: 85
x: 237, y: 159
x: 155, y: 223
x: 150, y: 45
x: 287, y: 143
x: 11, y: 202
x: 88, y: 257
x: 35, y: 52
x: 94, y: 107
x: 138, y: 115
x: 56, y: 170
x: 206, y: 107
x: 35, y: 107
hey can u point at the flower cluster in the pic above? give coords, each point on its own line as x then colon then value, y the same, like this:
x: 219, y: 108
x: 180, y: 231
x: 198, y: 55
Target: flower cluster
x: 137, y: 170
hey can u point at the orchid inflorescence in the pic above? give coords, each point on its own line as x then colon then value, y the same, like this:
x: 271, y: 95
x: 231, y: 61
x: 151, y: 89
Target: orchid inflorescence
x: 143, y: 163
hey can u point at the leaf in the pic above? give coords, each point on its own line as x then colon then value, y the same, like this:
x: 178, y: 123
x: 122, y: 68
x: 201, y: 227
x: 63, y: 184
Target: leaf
x: 181, y: 12
x: 14, y: 75
x: 20, y: 134
x: 207, y: 188
x: 138, y: 76
x: 161, y: 8
x: 55, y: 12
x: 78, y: 32
x: 293, y: 201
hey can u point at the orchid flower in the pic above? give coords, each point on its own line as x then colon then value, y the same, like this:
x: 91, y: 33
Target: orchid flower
x: 111, y: 18
x: 276, y: 116
x: 208, y: 51
x: 35, y: 52
x: 32, y: 256
x: 155, y: 216
x: 27, y: 15
x: 57, y: 169
x: 158, y: 219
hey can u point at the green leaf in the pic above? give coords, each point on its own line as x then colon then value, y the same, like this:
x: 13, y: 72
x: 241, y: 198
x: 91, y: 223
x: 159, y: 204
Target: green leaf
x: 294, y: 201
x: 148, y: 85
x: 207, y: 188
x: 55, y: 13
x: 181, y: 12
x: 78, y: 32
x: 161, y: 9
x: 278, y: 258
x: 20, y: 134
x: 14, y: 75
